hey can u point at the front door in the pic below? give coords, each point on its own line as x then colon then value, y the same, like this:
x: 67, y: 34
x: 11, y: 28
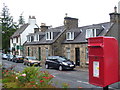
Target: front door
x: 39, y: 53
x: 77, y: 56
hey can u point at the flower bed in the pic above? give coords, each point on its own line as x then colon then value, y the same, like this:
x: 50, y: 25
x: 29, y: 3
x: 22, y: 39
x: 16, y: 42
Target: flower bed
x: 30, y: 77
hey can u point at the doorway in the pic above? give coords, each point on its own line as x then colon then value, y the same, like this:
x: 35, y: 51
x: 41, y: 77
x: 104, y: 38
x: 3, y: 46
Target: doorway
x: 39, y: 53
x: 77, y: 56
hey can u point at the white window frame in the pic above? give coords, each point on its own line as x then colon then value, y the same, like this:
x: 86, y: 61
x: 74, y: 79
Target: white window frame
x: 31, y: 38
x: 49, y: 35
x: 70, y: 36
x: 37, y: 37
x: 68, y: 53
x: 28, y: 38
x: 90, y: 33
x: 47, y: 52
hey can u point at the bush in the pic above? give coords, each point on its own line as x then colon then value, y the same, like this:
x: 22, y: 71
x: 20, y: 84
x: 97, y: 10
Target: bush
x: 30, y: 77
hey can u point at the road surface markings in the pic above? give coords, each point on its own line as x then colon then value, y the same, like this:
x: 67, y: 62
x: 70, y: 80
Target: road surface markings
x: 82, y: 82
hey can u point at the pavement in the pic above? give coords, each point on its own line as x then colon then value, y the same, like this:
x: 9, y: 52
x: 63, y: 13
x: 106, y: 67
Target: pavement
x: 115, y: 86
x: 77, y: 68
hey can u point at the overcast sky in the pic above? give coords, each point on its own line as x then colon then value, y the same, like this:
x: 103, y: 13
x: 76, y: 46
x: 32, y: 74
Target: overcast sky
x: 52, y: 12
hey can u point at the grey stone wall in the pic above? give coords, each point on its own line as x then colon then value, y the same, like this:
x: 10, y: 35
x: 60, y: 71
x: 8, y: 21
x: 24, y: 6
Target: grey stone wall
x: 34, y: 51
x: 72, y: 47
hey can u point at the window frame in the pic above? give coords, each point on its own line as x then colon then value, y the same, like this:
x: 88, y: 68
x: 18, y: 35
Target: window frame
x: 70, y: 36
x: 32, y: 38
x: 68, y: 53
x: 91, y: 33
x: 49, y: 35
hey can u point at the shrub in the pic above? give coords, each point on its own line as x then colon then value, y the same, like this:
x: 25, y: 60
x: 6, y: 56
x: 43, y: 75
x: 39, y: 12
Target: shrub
x: 30, y: 77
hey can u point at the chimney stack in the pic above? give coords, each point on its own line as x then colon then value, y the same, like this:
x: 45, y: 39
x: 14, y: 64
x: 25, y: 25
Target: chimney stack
x: 115, y: 17
x: 32, y: 20
x: 70, y: 22
x: 43, y: 27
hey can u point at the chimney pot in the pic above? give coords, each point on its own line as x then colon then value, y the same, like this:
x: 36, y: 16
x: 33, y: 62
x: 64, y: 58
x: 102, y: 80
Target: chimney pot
x: 33, y: 17
x: 43, y: 24
x: 115, y: 9
x: 30, y: 17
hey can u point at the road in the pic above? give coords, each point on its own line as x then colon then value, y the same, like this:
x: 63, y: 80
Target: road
x: 75, y: 78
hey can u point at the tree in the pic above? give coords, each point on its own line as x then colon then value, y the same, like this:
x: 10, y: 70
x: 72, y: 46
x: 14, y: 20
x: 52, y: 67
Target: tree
x: 8, y: 27
x: 21, y: 20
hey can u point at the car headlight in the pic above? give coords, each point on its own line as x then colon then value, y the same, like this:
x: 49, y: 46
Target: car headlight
x: 73, y: 62
x: 64, y: 63
x: 30, y: 61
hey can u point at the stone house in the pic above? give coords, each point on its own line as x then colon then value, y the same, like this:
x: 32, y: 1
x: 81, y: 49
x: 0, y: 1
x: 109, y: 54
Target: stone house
x: 45, y: 42
x: 19, y: 37
x: 69, y: 40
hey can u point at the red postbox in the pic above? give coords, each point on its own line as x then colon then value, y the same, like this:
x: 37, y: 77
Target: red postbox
x: 103, y: 61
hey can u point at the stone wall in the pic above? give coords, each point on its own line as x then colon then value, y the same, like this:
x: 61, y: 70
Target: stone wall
x: 33, y: 51
x: 72, y: 47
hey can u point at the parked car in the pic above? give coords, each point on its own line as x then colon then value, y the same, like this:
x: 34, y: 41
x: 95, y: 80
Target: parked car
x: 4, y: 56
x: 17, y: 58
x: 30, y: 61
x: 10, y: 57
x: 59, y: 62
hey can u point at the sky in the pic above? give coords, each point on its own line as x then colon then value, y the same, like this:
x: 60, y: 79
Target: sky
x: 52, y: 12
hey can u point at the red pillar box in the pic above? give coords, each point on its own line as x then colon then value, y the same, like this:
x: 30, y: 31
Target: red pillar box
x: 103, y: 61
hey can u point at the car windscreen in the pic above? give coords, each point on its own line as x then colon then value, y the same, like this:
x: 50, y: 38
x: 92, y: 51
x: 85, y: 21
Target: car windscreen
x: 62, y: 59
x: 32, y: 58
x: 19, y: 56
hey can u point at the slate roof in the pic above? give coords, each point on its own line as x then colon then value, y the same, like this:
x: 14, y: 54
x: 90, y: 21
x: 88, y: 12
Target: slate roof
x: 20, y: 30
x: 56, y: 33
x: 81, y: 31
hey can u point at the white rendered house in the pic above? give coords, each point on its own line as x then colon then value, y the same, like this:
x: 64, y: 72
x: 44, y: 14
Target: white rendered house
x: 19, y: 37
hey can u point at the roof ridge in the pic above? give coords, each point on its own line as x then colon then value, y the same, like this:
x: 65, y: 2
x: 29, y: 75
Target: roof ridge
x: 94, y: 24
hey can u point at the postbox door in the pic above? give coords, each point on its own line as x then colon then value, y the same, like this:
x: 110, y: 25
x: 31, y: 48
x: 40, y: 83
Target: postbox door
x: 96, y: 64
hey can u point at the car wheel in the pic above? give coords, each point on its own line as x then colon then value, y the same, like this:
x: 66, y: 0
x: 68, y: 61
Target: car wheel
x: 24, y: 63
x: 29, y: 64
x: 46, y: 66
x: 60, y: 68
x: 16, y: 61
x: 12, y: 60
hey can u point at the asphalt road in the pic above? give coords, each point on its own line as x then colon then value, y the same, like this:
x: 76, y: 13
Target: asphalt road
x: 74, y: 78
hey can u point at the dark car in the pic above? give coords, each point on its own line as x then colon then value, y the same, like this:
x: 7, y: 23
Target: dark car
x: 30, y: 61
x: 59, y: 62
x: 10, y: 57
x: 17, y: 58
x: 4, y: 56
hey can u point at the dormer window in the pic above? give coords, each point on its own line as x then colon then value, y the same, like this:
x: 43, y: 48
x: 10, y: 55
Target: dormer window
x: 49, y: 36
x: 28, y: 38
x: 70, y: 35
x: 32, y: 38
x: 90, y: 33
x: 37, y: 37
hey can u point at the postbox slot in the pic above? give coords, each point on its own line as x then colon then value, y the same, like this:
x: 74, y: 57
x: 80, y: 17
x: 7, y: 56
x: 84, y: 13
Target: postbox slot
x: 92, y: 57
x: 96, y: 56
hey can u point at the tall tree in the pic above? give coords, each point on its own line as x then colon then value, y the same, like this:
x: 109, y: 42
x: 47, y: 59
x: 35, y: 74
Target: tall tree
x: 21, y: 20
x: 8, y: 27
